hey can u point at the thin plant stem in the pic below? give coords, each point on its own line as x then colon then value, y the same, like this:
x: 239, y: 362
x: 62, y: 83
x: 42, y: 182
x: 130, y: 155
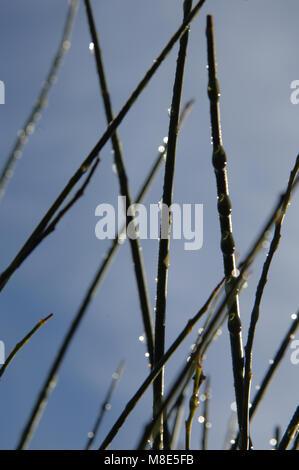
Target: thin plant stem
x: 29, y: 245
x: 274, y: 365
x: 125, y: 191
x: 137, y: 396
x: 19, y: 345
x: 193, y: 403
x: 277, y: 433
x: 290, y: 432
x: 105, y: 405
x: 207, y: 394
x: 41, y: 101
x: 90, y: 293
x: 51, y: 227
x: 271, y: 371
x: 163, y: 258
x: 224, y: 210
x: 296, y: 442
x: 180, y: 408
x: 244, y: 437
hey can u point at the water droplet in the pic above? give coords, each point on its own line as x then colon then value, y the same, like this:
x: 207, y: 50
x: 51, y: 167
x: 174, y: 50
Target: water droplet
x: 233, y: 406
x: 208, y: 425
x: 207, y: 67
x: 200, y: 331
x: 30, y: 129
x: 265, y: 244
x: 273, y: 442
x: 107, y: 406
x: 141, y: 338
x: 169, y: 111
x: 121, y: 239
x: 66, y: 45
x: 257, y: 387
x: 114, y: 168
x: 165, y: 140
x: 161, y: 148
x: 203, y: 397
x: 235, y: 272
x: 201, y: 419
x: 90, y: 434
x: 147, y: 354
x: 271, y: 361
x: 17, y: 154
x: 91, y: 46
x: 115, y: 376
x: 294, y: 316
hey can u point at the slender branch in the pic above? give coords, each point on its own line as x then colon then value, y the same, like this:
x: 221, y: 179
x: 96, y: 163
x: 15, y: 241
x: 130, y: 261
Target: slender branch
x: 29, y: 245
x: 163, y: 259
x: 274, y: 365
x: 270, y: 372
x: 224, y: 209
x: 296, y: 442
x: 125, y: 191
x: 207, y: 393
x: 41, y: 101
x: 193, y: 403
x: 105, y: 406
x: 179, y: 407
x: 19, y: 345
x: 51, y: 227
x: 292, y: 428
x: 244, y: 438
x: 91, y: 292
x: 134, y: 400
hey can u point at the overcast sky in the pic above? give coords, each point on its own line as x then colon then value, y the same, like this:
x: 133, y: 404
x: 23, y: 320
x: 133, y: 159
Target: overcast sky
x: 257, y: 56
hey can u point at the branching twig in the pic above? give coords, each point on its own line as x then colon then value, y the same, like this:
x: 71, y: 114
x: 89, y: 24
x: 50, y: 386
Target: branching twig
x: 41, y: 102
x: 163, y: 259
x: 18, y: 346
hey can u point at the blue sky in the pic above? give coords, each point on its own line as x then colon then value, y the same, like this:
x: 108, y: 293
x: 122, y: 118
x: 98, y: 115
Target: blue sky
x: 257, y: 61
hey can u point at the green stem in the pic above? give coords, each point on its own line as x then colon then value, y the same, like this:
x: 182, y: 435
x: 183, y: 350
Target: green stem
x: 163, y: 260
x: 224, y: 210
x: 19, y: 345
x: 115, y: 379
x: 41, y: 101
